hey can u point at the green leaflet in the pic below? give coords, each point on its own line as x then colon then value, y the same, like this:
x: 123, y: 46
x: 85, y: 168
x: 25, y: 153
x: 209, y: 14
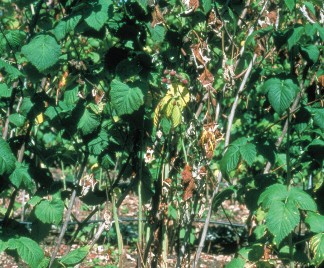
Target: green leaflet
x: 89, y: 122
x: 317, y: 247
x: 65, y: 26
x: 27, y: 249
x: 280, y: 93
x: 281, y: 226
x: 125, y: 99
x: 315, y: 222
x: 7, y: 159
x: 50, y: 211
x: 248, y: 153
x: 99, y: 14
x: 231, y: 159
x: 20, y: 177
x: 76, y: 256
x: 42, y: 51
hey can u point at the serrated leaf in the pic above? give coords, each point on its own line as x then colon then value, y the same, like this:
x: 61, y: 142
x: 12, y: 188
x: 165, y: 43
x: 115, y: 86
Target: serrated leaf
x: 125, y: 99
x: 318, y: 117
x: 297, y: 33
x: 20, y: 177
x: 12, y: 71
x: 17, y: 119
x: 15, y: 38
x: 231, y: 159
x: 236, y: 263
x: 88, y: 122
x: 98, y: 144
x: 142, y: 3
x: 281, y: 219
x: 5, y: 91
x: 42, y: 51
x: 7, y: 159
x: 260, y: 231
x: 207, y: 5
x: 317, y: 247
x: 157, y: 33
x: 176, y: 116
x: 310, y: 53
x: 273, y: 193
x: 65, y: 26
x: 76, y: 256
x: 315, y: 222
x: 99, y: 14
x: 301, y: 199
x: 280, y: 93
x: 290, y: 4
x: 28, y: 250
x: 248, y: 153
x: 50, y: 211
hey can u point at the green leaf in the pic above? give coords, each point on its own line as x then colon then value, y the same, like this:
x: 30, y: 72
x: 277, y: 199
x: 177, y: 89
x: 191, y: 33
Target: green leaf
x: 260, y: 231
x: 65, y: 26
x: 157, y: 33
x: 16, y: 38
x: 281, y: 219
x: 172, y: 212
x: 99, y: 14
x: 20, y: 177
x: 207, y: 5
x: 7, y: 159
x: 5, y: 91
x: 125, y: 99
x: 42, y: 51
x: 88, y: 123
x: 297, y: 33
x: 76, y: 256
x: 28, y: 250
x: 274, y: 193
x: 301, y: 199
x: 315, y: 222
x: 280, y: 93
x: 290, y: 4
x: 50, y: 211
x: 142, y: 3
x: 17, y: 119
x: 317, y: 247
x: 12, y: 71
x: 310, y: 53
x: 248, y: 153
x: 231, y: 159
x: 318, y: 117
x: 98, y: 144
x: 236, y: 263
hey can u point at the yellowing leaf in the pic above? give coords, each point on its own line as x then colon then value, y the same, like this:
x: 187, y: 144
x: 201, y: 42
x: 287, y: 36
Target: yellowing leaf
x: 40, y: 118
x: 179, y: 93
x: 176, y: 116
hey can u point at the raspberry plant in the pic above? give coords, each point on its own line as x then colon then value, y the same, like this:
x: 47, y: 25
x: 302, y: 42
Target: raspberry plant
x: 173, y: 97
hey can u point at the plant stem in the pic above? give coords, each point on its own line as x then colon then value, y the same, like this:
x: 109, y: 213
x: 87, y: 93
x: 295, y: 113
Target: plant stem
x: 119, y: 236
x: 69, y: 211
x: 140, y: 224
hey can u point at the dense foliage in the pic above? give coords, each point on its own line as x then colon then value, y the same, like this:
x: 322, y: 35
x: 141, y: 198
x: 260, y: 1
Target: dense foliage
x: 185, y: 103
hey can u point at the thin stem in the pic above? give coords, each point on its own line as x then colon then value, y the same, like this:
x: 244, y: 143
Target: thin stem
x: 68, y: 213
x: 119, y: 236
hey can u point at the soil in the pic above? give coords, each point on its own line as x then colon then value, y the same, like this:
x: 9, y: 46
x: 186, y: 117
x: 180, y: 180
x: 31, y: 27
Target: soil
x: 217, y: 252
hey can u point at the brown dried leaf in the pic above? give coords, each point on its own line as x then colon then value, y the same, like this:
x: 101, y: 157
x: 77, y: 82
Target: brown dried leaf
x: 188, y: 193
x: 187, y: 174
x: 272, y: 15
x: 206, y: 78
x: 157, y: 16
